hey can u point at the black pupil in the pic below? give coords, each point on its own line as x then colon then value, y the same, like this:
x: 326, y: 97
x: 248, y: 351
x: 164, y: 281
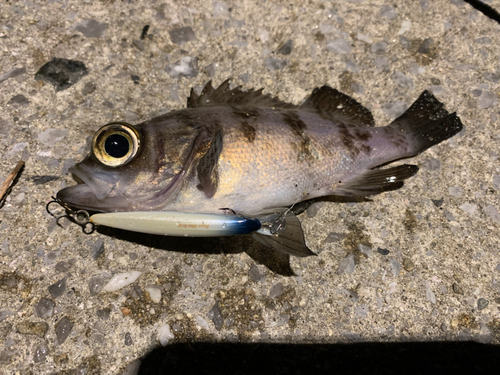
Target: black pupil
x: 116, y: 145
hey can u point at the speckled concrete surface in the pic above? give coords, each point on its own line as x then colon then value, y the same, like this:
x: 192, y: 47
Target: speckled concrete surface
x: 421, y: 263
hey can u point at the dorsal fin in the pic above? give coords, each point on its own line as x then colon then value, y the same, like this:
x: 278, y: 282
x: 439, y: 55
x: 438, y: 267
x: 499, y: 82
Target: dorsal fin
x: 334, y: 105
x: 223, y: 95
x: 208, y: 166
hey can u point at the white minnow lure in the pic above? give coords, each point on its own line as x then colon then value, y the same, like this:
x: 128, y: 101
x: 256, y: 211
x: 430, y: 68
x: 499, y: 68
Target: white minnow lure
x: 173, y: 223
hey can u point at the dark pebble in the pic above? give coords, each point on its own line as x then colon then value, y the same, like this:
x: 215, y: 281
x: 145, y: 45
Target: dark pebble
x: 19, y: 100
x: 139, y: 44
x: 383, y: 251
x: 57, y: 289
x: 44, y: 308
x: 426, y: 45
x: 457, y: 289
x: 144, y: 32
x: 216, y: 316
x: 33, y: 328
x: 276, y: 290
x: 128, y: 339
x: 482, y: 303
x: 275, y: 64
x: 95, y: 285
x: 182, y: 35
x: 334, y: 237
x: 104, y: 313
x: 255, y: 273
x: 135, y: 78
x: 63, y: 329
x: 435, y: 81
x: 89, y: 88
x: 12, y: 73
x: 41, y: 353
x: 286, y: 48
x: 97, y: 249
x: 62, y: 73
x: 40, y: 180
x: 63, y: 266
x: 438, y: 202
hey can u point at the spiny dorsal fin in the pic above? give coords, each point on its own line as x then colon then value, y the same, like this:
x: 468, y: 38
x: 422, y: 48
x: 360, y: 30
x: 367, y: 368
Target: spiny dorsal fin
x: 334, y: 105
x: 223, y: 95
x: 208, y: 172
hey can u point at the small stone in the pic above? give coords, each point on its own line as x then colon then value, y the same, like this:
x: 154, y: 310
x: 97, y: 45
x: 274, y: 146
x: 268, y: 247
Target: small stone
x: 98, y: 249
x: 89, y: 88
x: 482, y: 303
x: 426, y: 46
x: 408, y: 264
x: 487, y: 99
x: 365, y: 250
x: 255, y: 274
x: 448, y: 215
x: 438, y: 202
x: 396, y: 267
x: 334, y: 237
x: 33, y: 328
x: 492, y: 212
x: 95, y: 285
x: 52, y: 136
x: 470, y: 208
x: 402, y: 80
x: 435, y: 81
x: 12, y: 73
x: 378, y: 48
x: 92, y: 28
x: 455, y: 191
x: 63, y: 266
x: 276, y: 290
x: 387, y: 12
x: 41, y: 353
x: 165, y: 335
x: 216, y: 317
x: 429, y: 294
x: 20, y: 100
x: 62, y: 73
x: 492, y: 77
x: 128, y: 339
x: 483, y: 40
x: 457, y: 289
x: 125, y: 311
x: 339, y: 46
x: 57, y: 289
x: 44, y: 308
x: 182, y: 35
x: 186, y: 67
x: 275, y: 64
x: 432, y: 164
x: 154, y: 293
x: 121, y: 280
x: 286, y: 48
x: 63, y: 329
x: 104, y: 313
x: 383, y: 251
x: 139, y: 44
x: 135, y: 78
x: 347, y: 265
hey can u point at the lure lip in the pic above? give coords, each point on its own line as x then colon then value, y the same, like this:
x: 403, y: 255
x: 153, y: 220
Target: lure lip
x: 174, y: 223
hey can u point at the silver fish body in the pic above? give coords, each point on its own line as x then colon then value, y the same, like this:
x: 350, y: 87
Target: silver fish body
x: 254, y: 154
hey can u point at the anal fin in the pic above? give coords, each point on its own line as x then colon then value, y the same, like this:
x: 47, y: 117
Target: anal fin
x: 377, y: 181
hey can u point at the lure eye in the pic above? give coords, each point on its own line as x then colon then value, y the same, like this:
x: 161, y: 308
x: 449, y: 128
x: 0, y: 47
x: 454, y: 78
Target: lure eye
x: 116, y: 144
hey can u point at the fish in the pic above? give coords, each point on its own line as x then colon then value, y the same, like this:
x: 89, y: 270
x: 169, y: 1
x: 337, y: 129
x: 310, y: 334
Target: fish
x: 251, y: 154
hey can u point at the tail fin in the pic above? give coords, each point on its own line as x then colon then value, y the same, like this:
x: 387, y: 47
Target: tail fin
x: 426, y: 123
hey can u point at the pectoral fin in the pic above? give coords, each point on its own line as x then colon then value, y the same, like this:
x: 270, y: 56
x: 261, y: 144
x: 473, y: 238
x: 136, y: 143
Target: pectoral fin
x: 289, y: 239
x: 208, y: 173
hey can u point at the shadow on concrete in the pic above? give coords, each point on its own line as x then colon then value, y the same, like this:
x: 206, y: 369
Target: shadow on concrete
x: 274, y: 260
x: 360, y: 358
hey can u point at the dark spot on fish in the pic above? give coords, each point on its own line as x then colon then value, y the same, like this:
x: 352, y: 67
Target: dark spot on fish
x: 298, y: 126
x: 245, y: 112
x: 365, y: 148
x: 248, y: 131
x: 347, y: 139
x: 362, y: 135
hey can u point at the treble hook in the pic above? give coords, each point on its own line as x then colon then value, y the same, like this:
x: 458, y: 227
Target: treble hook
x: 80, y: 217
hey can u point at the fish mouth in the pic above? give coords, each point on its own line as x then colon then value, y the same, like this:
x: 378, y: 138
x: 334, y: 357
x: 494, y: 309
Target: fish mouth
x: 91, y: 193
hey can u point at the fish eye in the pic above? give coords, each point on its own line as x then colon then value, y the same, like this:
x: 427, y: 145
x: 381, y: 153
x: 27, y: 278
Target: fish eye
x: 116, y: 144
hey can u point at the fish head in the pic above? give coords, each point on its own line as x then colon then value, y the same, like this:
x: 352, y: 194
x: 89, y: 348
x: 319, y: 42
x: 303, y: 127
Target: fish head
x: 132, y: 167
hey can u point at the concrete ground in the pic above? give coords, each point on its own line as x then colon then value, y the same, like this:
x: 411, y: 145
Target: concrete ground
x: 420, y: 264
